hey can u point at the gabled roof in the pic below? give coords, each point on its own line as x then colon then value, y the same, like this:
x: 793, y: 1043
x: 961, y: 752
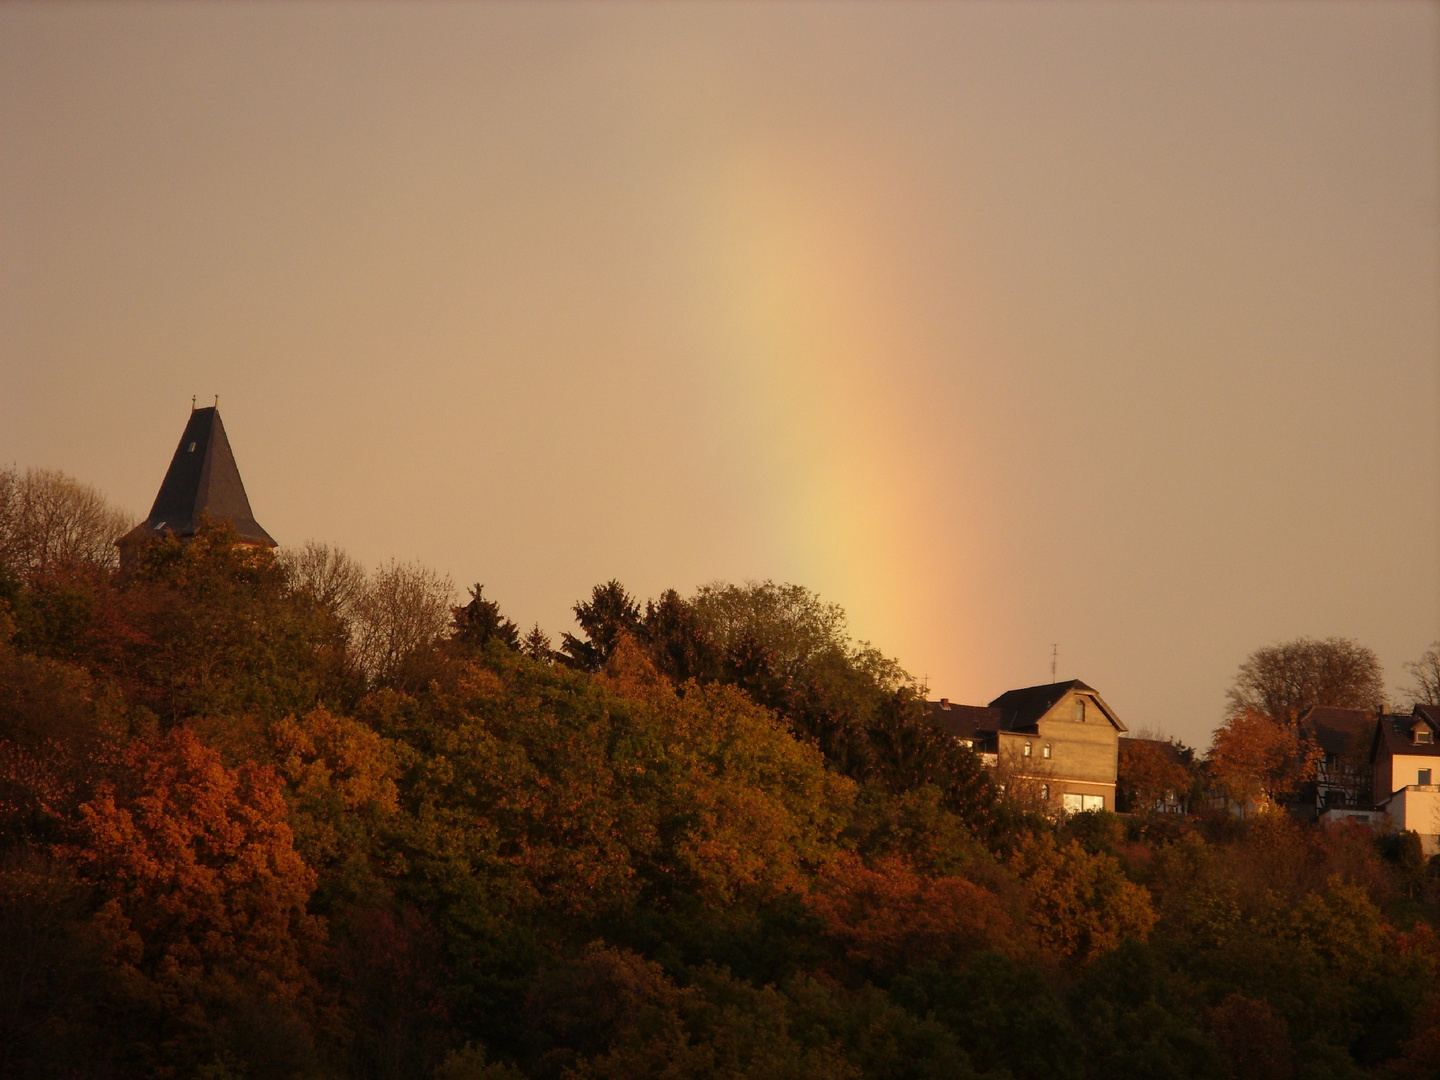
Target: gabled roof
x: 1430, y: 712
x: 1337, y: 731
x: 1167, y: 748
x: 1022, y: 709
x: 202, y: 479
x: 962, y: 721
x: 1393, y: 734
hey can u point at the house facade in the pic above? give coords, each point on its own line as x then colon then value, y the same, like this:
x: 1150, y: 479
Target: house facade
x: 1056, y: 745
x: 1343, y: 778
x: 1405, y: 759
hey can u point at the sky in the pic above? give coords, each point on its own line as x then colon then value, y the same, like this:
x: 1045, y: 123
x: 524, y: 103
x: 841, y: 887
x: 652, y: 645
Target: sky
x: 1111, y: 330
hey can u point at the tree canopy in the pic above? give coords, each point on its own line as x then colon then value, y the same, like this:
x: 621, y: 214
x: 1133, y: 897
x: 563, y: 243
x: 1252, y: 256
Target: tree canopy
x: 278, y: 816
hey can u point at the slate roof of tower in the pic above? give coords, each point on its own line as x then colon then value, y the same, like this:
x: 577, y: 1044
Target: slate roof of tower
x: 202, y: 479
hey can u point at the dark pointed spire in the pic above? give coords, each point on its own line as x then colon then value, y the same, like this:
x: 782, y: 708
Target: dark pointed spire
x: 202, y: 479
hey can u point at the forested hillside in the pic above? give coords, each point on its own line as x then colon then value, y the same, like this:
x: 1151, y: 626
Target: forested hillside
x: 276, y: 817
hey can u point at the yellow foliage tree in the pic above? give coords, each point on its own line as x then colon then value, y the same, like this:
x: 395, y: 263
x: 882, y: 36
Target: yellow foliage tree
x: 1080, y: 905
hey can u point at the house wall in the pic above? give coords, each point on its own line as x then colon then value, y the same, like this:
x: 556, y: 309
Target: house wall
x: 1083, y: 756
x: 1393, y: 772
x: 1088, y: 751
x: 1418, y: 808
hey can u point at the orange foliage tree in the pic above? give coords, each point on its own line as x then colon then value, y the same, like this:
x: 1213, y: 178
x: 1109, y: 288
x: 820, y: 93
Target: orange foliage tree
x: 1256, y: 761
x: 202, y: 868
x: 887, y: 916
x: 1150, y: 772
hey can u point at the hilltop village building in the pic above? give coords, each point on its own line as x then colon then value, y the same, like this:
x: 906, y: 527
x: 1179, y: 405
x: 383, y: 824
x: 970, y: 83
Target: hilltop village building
x: 1056, y: 744
x: 202, y: 481
x: 1405, y: 757
x: 1342, y: 777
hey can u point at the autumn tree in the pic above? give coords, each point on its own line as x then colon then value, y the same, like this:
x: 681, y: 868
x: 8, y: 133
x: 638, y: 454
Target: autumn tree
x: 1151, y: 772
x: 1282, y: 681
x: 207, y: 896
x: 1425, y: 677
x: 325, y: 574
x: 887, y: 916
x: 1257, y: 761
x: 209, y: 627
x: 48, y: 518
x: 403, y: 610
x: 1080, y: 904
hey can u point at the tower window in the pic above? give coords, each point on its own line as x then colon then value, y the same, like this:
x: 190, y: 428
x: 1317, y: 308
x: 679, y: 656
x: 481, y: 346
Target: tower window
x: 192, y: 448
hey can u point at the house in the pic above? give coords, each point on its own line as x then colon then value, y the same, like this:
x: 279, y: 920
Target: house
x: 1405, y: 758
x: 203, y: 480
x: 1343, y: 773
x: 1058, y: 743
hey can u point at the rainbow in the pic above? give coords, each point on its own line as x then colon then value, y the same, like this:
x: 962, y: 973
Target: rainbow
x: 811, y: 329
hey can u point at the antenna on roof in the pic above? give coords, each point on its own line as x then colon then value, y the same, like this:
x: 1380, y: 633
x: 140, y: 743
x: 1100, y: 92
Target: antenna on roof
x: 1054, y: 654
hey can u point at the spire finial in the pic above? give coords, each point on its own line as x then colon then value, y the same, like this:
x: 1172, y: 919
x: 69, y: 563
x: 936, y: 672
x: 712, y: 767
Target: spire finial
x: 217, y: 401
x: 192, y: 402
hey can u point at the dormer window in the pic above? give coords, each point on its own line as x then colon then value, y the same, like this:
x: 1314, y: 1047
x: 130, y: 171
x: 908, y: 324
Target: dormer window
x: 192, y: 448
x: 1079, y: 712
x: 1424, y: 735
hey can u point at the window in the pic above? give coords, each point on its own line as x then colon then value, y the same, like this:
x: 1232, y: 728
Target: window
x: 1079, y: 710
x: 1076, y: 804
x: 1045, y: 753
x: 1027, y: 750
x: 192, y: 448
x: 1424, y: 777
x: 969, y: 744
x: 1045, y: 792
x: 1424, y: 734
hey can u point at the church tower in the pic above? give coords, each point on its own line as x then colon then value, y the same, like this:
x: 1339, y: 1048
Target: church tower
x: 202, y: 479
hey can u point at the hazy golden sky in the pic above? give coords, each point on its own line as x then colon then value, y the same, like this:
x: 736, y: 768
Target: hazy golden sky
x: 1116, y: 326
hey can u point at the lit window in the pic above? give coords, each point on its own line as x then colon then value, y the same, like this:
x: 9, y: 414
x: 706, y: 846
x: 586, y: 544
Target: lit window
x: 1045, y: 792
x: 1046, y: 752
x: 1092, y: 802
x: 1027, y: 750
x: 1080, y: 710
x: 1424, y: 777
